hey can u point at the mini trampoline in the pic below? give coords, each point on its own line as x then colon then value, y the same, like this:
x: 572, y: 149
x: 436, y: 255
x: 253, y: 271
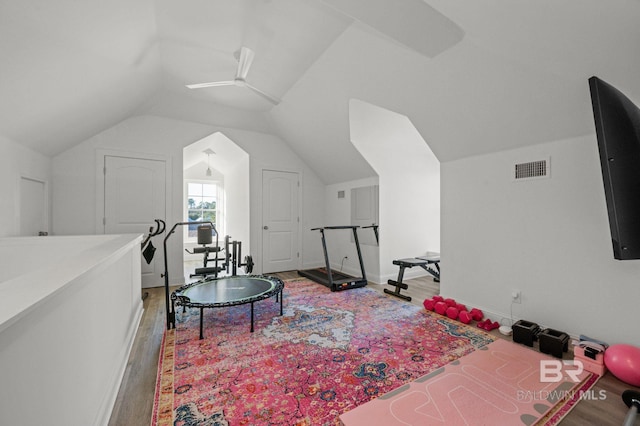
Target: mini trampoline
x: 227, y: 291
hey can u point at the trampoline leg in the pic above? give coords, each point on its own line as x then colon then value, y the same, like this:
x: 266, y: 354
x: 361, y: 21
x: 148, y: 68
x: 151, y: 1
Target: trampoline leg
x: 171, y: 316
x: 281, y: 297
x: 252, y: 317
x: 201, y: 315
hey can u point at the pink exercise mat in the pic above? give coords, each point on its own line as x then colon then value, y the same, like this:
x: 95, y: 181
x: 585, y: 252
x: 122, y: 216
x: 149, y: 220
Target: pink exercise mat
x: 498, y: 384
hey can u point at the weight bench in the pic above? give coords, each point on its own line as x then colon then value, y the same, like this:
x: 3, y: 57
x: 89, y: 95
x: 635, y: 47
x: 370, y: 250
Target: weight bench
x: 431, y: 264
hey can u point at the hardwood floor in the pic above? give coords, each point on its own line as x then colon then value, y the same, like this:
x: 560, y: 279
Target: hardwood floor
x: 134, y: 403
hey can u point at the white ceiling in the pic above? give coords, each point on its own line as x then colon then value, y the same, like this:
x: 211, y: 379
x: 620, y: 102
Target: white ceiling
x: 474, y: 76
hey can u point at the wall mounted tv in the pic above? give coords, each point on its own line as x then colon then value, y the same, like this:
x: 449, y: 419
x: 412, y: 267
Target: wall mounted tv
x: 617, y: 122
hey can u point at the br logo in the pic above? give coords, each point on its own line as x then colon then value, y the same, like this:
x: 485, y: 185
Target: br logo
x: 553, y: 371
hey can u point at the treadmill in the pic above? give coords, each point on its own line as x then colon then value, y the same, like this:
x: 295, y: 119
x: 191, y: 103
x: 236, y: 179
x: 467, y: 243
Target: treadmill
x: 336, y: 281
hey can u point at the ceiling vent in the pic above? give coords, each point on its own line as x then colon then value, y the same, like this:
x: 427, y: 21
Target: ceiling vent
x: 532, y: 170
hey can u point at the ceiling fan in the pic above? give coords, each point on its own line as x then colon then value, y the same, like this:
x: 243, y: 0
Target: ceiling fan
x: 244, y: 63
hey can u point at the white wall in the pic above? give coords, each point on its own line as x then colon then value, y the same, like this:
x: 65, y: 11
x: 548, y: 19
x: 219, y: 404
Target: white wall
x: 339, y: 243
x: 548, y: 238
x: 17, y: 161
x: 238, y: 204
x: 74, y: 177
x: 409, y: 178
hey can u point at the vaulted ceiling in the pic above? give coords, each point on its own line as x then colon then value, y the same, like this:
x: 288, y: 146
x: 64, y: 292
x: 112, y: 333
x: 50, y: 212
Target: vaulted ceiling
x: 474, y: 76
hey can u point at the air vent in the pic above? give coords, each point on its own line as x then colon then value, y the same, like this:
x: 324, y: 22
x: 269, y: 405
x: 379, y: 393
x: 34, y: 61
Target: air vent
x: 340, y: 194
x: 531, y: 170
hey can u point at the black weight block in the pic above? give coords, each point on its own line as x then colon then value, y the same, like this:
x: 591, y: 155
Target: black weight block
x: 525, y: 332
x: 553, y: 342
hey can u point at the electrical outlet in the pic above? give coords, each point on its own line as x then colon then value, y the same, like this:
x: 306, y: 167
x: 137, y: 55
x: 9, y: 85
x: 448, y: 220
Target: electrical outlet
x: 516, y: 296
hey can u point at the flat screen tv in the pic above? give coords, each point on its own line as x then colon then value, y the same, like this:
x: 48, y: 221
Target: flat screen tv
x: 617, y: 122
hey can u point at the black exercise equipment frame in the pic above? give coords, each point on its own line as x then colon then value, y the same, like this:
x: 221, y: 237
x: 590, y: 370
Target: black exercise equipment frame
x: 631, y: 397
x: 236, y: 262
x: 424, y: 262
x: 159, y: 229
x: 147, y: 248
x: 231, y: 260
x: 205, y: 270
x: 375, y: 231
x: 171, y: 315
x: 326, y: 278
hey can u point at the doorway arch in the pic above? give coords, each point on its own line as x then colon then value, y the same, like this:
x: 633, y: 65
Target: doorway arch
x: 218, y: 161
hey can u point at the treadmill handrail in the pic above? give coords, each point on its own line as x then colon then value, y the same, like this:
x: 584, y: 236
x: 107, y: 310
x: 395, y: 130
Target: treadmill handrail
x: 342, y: 227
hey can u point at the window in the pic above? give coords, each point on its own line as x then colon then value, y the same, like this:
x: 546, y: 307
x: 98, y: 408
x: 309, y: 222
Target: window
x: 202, y: 200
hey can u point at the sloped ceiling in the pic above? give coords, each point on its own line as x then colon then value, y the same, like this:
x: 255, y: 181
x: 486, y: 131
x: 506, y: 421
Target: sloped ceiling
x: 474, y: 76
x: 71, y: 69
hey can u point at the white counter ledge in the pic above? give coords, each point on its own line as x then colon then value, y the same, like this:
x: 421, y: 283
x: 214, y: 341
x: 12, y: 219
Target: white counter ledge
x: 69, y: 310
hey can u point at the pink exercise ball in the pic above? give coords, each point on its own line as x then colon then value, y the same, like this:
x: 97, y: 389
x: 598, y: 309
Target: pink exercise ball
x: 624, y: 362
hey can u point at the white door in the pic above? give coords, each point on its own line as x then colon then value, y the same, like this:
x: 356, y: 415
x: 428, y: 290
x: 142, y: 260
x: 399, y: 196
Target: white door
x: 280, y: 221
x: 33, y: 207
x: 134, y: 195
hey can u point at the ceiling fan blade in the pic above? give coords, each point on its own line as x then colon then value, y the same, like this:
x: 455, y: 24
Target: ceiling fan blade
x: 268, y: 97
x: 211, y: 84
x: 244, y: 62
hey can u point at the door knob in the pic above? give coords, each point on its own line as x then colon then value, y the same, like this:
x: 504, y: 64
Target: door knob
x: 265, y: 227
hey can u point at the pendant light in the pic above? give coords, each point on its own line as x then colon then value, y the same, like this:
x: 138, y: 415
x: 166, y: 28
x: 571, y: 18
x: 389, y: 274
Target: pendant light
x: 208, y: 151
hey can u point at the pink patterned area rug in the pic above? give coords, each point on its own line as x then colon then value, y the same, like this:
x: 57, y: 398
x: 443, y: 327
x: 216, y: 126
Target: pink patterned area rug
x: 328, y: 354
